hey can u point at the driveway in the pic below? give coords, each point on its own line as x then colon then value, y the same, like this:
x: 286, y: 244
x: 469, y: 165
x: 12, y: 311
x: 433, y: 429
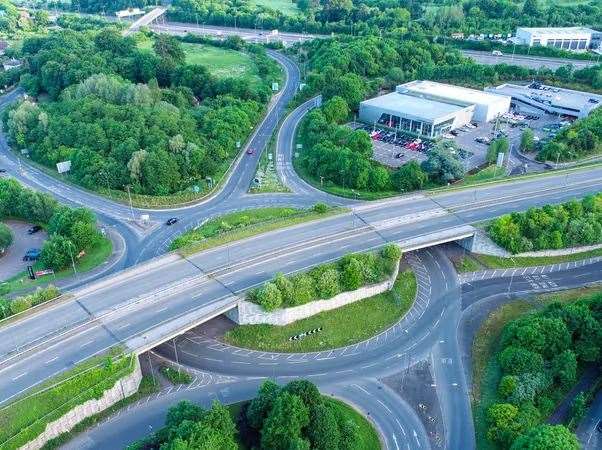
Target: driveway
x: 11, y: 263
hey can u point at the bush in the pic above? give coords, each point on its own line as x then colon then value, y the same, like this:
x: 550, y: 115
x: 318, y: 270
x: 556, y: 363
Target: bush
x: 20, y: 304
x: 391, y: 252
x: 321, y: 208
x: 6, y: 237
x: 353, y: 275
x: 269, y: 297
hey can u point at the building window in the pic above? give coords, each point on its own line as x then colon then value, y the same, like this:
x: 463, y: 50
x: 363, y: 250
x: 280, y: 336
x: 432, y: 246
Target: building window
x: 427, y: 129
x: 443, y: 127
x: 405, y: 123
x: 395, y: 122
x: 536, y: 41
x: 384, y: 119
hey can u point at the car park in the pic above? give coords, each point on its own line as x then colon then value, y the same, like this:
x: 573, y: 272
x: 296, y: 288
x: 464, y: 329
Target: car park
x: 34, y: 229
x: 33, y: 254
x: 171, y: 221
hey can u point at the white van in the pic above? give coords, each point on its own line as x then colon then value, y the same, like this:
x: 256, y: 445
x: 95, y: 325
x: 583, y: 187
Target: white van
x: 497, y: 53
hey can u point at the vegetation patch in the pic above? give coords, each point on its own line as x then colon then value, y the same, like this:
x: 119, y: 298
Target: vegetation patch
x: 525, y: 362
x: 26, y: 418
x: 74, y: 236
x: 572, y: 224
x: 244, y: 224
x: 343, y: 326
x: 6, y: 238
x: 175, y: 376
x: 327, y: 280
x: 20, y: 304
x: 292, y: 416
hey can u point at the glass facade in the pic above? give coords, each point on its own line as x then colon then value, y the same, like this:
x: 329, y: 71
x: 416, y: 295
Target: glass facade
x: 413, y: 126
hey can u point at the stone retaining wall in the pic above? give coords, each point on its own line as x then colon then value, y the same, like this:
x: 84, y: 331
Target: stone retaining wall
x: 123, y: 388
x: 249, y: 313
x: 562, y: 251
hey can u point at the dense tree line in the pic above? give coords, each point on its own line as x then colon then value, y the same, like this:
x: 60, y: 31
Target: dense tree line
x: 295, y: 416
x: 504, y: 16
x: 575, y: 223
x: 340, y: 16
x: 130, y: 117
x: 14, y: 23
x: 327, y: 280
x: 583, y: 138
x: 540, y: 355
x: 71, y: 230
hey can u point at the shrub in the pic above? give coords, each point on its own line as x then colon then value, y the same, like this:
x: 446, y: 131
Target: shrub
x: 328, y: 284
x: 320, y: 208
x: 20, y: 304
x: 269, y: 297
x: 517, y: 360
x: 286, y: 288
x: 6, y: 237
x: 353, y: 275
x: 303, y: 289
x: 391, y: 252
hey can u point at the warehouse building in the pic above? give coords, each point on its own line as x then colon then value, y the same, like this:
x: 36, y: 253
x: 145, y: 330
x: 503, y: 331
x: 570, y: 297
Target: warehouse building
x: 551, y: 99
x: 431, y: 109
x: 571, y: 38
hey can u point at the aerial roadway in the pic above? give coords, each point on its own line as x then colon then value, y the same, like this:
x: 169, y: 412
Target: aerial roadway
x: 153, y: 299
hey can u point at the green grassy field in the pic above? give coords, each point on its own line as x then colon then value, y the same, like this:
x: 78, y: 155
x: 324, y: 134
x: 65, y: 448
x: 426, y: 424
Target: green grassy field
x: 95, y: 257
x: 287, y: 7
x: 342, y: 326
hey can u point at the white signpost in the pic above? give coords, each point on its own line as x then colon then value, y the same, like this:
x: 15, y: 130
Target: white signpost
x: 63, y: 167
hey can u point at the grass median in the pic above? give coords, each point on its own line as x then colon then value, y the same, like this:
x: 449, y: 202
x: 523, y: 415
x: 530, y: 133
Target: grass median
x: 342, y: 326
x: 472, y: 262
x: 243, y: 224
x: 26, y: 418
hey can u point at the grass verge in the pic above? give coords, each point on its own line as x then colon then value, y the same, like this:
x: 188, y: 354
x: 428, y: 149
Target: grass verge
x: 147, y: 387
x: 27, y: 417
x: 244, y: 224
x: 342, y: 326
x: 94, y: 258
x: 472, y: 262
x: 486, y: 371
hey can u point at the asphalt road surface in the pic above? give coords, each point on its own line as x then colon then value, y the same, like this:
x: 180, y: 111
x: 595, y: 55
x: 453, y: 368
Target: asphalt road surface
x: 532, y: 62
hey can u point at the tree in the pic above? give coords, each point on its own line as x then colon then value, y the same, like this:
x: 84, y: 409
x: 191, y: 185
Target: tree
x: 282, y: 428
x: 184, y: 410
x: 517, y: 360
x: 6, y: 237
x: 303, y: 288
x: 578, y: 407
x: 57, y: 252
x: 503, y: 426
x: 545, y: 437
x: 442, y: 166
x: 527, y: 140
x: 353, y: 276
x: 328, y: 284
x: 286, y: 288
x: 336, y: 110
x: 531, y: 8
x: 269, y: 297
x: 409, y: 177
x: 323, y: 430
x: 262, y: 404
x: 564, y: 367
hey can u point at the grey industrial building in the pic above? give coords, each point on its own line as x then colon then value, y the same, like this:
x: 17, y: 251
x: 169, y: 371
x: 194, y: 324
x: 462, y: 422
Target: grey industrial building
x: 431, y: 109
x: 551, y: 99
x: 567, y: 38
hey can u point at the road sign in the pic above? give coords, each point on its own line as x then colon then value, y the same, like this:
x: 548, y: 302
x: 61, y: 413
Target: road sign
x: 41, y: 273
x: 63, y: 167
x: 32, y: 275
x: 270, y: 156
x: 500, y: 159
x: 275, y: 86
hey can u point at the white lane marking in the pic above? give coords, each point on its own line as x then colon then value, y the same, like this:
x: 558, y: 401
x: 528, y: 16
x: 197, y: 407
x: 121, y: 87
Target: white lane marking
x: 19, y: 376
x: 86, y: 343
x: 51, y: 360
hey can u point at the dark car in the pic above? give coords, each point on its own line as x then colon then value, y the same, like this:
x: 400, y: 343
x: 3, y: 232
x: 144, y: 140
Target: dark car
x: 34, y: 229
x: 2, y: 170
x: 250, y: 151
x: 171, y: 221
x: 33, y: 254
x: 399, y: 155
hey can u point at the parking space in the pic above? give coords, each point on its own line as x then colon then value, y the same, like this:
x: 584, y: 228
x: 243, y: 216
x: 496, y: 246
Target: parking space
x: 12, y: 262
x: 472, y: 141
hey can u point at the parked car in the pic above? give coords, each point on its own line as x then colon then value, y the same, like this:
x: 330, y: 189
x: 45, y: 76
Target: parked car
x: 34, y: 229
x: 171, y: 221
x: 33, y: 254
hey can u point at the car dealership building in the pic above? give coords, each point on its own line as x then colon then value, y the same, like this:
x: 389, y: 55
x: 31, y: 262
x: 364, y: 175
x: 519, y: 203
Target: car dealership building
x: 431, y: 109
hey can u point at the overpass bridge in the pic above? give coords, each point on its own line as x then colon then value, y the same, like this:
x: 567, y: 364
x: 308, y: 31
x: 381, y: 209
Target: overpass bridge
x: 155, y: 301
x: 145, y: 20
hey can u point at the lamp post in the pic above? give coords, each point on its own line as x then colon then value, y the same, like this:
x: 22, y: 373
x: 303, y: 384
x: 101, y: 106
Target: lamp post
x: 127, y: 186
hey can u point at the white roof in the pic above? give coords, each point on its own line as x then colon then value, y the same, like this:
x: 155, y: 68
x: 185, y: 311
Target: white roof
x: 459, y: 95
x: 564, y: 31
x: 409, y: 105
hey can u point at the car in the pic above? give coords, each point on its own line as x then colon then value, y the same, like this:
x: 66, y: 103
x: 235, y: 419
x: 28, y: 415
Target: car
x: 34, y: 229
x: 399, y: 155
x: 250, y: 151
x: 453, y: 132
x: 599, y: 426
x: 171, y: 221
x: 497, y: 53
x: 33, y: 254
x: 2, y: 170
